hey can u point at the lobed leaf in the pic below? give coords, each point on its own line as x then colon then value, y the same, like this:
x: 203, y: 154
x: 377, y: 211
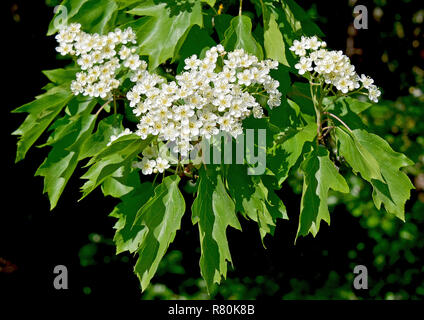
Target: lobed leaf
x: 161, y: 217
x: 121, y: 153
x: 320, y: 175
x: 42, y: 112
x: 95, y: 16
x: 98, y: 141
x: 213, y: 211
x: 158, y: 33
x: 239, y: 36
x: 128, y: 236
x: 285, y: 153
x: 62, y: 75
x: 255, y: 198
x: 67, y: 142
x: 391, y: 187
x: 357, y: 156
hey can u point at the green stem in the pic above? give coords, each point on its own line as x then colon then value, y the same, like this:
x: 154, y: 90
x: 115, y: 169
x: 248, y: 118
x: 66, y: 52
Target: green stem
x: 317, y: 111
x: 102, y: 107
x: 338, y: 119
x: 154, y: 180
x: 171, y: 170
x: 240, y: 8
x: 259, y: 94
x: 114, y: 105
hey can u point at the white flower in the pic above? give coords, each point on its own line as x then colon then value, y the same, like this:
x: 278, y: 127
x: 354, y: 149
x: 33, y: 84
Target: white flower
x: 304, y: 65
x: 85, y: 62
x: 343, y: 85
x: 162, y: 164
x: 313, y: 43
x: 124, y: 53
x: 366, y: 81
x: 191, y: 63
x: 223, y: 102
x: 220, y: 48
x: 298, y: 48
x: 143, y: 131
x: 133, y: 62
x: 374, y: 93
x: 76, y: 87
x: 245, y: 77
x: 147, y: 166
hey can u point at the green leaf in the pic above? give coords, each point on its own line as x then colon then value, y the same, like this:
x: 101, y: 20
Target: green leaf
x: 120, y: 183
x: 255, y: 198
x: 161, y: 217
x: 345, y: 104
x: 320, y: 175
x: 62, y: 17
x: 283, y: 77
x: 61, y: 76
x: 62, y: 160
x: 128, y: 236
x: 300, y: 94
x: 357, y: 156
x: 159, y: 34
x: 95, y: 16
x: 239, y: 36
x: 210, y: 2
x: 41, y: 111
x: 213, y: 211
x: 63, y: 127
x: 119, y: 154
x: 298, y: 20
x: 222, y: 23
x: 285, y: 152
x: 393, y: 189
x: 197, y: 39
x: 273, y: 41
x: 126, y: 3
x: 97, y: 142
x: 293, y: 22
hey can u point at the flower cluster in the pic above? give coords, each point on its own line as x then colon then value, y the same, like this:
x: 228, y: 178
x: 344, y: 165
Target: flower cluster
x: 100, y: 57
x: 332, y: 66
x: 213, y: 94
x: 149, y: 166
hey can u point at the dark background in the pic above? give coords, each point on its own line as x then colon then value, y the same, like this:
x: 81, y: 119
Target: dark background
x: 78, y: 234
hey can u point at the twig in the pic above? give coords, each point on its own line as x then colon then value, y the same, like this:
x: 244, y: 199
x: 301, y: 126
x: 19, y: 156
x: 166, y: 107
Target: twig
x: 102, y: 107
x: 328, y: 129
x: 114, y: 105
x: 338, y: 119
